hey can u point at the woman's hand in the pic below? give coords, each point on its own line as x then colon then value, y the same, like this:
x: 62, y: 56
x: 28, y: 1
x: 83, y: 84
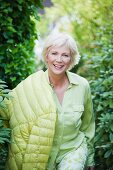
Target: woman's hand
x: 90, y: 168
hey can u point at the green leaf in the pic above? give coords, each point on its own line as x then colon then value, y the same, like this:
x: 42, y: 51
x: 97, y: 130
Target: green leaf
x: 1, y: 99
x: 111, y: 103
x: 111, y: 126
x: 2, y: 86
x: 107, y: 154
x: 6, y: 91
x: 2, y: 81
x: 111, y: 137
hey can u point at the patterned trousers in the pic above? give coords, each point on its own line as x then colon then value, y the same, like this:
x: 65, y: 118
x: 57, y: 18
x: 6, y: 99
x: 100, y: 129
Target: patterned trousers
x: 74, y: 160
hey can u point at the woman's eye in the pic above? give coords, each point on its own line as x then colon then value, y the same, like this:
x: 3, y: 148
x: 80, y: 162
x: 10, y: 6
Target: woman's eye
x: 65, y: 55
x: 54, y: 53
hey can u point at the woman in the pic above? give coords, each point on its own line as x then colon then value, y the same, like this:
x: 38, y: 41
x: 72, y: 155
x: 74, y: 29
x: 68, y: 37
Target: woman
x: 73, y: 141
x: 50, y: 114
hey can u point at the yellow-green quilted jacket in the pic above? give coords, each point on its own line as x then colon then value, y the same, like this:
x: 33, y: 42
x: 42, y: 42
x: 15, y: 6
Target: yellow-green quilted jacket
x: 32, y: 115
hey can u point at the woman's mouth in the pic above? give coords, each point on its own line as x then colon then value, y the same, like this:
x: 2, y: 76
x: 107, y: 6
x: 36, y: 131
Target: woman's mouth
x: 58, y: 66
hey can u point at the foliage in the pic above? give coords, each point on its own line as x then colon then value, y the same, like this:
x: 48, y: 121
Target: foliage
x: 80, y: 18
x: 4, y: 140
x: 102, y: 89
x: 3, y: 93
x: 98, y: 68
x: 17, y: 39
x: 4, y: 131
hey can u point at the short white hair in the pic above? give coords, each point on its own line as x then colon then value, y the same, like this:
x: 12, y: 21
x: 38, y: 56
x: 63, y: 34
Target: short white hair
x: 59, y: 39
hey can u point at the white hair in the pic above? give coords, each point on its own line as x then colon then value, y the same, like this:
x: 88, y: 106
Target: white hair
x: 59, y: 39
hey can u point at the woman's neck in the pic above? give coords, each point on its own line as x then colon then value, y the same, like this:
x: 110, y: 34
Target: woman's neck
x: 57, y: 80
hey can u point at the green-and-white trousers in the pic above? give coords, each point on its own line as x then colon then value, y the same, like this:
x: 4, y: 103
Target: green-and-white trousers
x: 74, y: 160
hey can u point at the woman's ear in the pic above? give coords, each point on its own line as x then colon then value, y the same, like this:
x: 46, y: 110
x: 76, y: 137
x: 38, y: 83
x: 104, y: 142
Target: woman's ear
x: 46, y: 55
x: 46, y: 60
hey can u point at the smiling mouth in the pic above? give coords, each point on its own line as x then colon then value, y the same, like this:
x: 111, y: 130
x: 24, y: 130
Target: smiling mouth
x: 58, y: 66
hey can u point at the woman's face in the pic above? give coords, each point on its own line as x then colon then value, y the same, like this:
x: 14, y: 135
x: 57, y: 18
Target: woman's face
x: 58, y: 59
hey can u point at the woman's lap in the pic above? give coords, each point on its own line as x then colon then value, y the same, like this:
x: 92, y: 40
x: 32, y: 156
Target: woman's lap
x: 75, y: 160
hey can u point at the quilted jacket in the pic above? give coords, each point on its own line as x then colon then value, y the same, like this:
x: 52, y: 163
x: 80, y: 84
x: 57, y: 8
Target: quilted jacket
x: 32, y: 115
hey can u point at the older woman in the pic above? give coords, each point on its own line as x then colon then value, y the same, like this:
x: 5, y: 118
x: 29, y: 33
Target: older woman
x: 50, y: 114
x: 73, y: 141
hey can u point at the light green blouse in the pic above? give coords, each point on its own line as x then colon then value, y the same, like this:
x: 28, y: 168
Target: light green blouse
x: 75, y: 121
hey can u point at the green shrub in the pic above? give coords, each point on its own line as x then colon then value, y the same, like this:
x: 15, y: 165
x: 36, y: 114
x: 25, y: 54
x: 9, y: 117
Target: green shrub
x: 4, y: 140
x: 17, y: 35
x: 4, y: 131
x: 98, y: 68
x: 101, y: 73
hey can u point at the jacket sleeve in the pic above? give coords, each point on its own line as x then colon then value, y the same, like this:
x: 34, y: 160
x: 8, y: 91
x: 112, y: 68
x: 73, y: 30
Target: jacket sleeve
x: 88, y: 125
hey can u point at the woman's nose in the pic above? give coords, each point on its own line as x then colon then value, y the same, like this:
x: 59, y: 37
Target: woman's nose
x: 59, y: 58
